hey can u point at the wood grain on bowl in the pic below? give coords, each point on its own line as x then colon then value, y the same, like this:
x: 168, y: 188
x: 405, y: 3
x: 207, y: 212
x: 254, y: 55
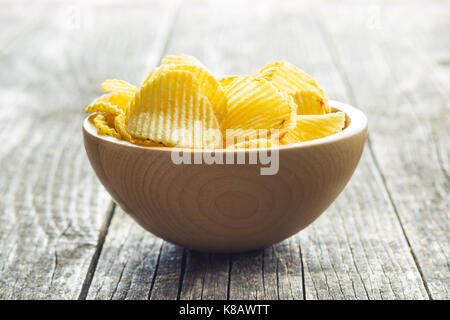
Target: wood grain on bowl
x: 227, y: 207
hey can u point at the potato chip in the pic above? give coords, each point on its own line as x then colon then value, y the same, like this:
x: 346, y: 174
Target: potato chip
x: 120, y: 125
x: 147, y: 142
x: 113, y: 103
x: 255, y: 143
x: 104, y: 107
x: 310, y: 127
x: 104, y: 128
x: 226, y: 81
x: 182, y: 59
x: 110, y: 119
x: 255, y: 104
x: 119, y: 86
x: 153, y: 73
x: 288, y: 78
x: 292, y: 121
x: 210, y: 87
x: 171, y: 109
x: 182, y: 104
x: 311, y: 102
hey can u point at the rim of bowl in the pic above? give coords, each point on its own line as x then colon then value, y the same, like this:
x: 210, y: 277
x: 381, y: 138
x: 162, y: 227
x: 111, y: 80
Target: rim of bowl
x: 356, y: 122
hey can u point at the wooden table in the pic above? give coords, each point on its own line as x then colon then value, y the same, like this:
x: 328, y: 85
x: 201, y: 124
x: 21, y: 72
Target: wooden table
x: 386, y: 236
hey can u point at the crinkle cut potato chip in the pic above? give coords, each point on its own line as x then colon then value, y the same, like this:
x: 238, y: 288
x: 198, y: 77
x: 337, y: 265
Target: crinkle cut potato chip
x: 288, y: 78
x: 209, y: 86
x: 255, y: 143
x: 255, y: 104
x: 170, y: 109
x: 181, y: 103
x: 113, y: 103
x: 153, y: 73
x: 311, y: 102
x: 119, y: 86
x: 104, y: 127
x: 120, y: 124
x: 292, y: 121
x: 310, y: 127
x: 182, y: 59
x: 226, y: 81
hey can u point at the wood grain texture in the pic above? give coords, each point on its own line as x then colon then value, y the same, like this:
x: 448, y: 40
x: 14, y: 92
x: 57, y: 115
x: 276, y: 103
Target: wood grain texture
x: 360, y: 52
x: 407, y: 151
x: 222, y: 206
x: 131, y: 270
x: 323, y: 278
x: 52, y: 207
x: 206, y: 276
x: 51, y: 204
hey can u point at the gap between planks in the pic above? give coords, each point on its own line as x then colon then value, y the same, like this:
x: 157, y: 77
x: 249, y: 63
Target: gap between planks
x: 163, y: 49
x: 335, y: 60
x: 162, y: 42
x: 98, y: 250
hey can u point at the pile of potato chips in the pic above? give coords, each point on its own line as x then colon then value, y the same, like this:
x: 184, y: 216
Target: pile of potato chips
x: 182, y: 104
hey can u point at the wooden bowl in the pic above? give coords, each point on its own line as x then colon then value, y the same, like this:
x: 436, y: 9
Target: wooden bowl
x: 227, y: 207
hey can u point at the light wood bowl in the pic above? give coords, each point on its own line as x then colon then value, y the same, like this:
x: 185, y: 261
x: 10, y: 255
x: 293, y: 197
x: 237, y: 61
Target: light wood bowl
x: 225, y: 207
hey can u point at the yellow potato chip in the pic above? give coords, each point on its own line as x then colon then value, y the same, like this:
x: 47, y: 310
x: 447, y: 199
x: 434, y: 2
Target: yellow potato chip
x: 182, y: 104
x: 210, y: 87
x: 311, y: 102
x: 255, y: 104
x: 255, y: 143
x: 110, y: 119
x: 171, y: 109
x: 153, y: 73
x: 121, y: 128
x: 119, y: 86
x: 120, y: 125
x: 310, y: 127
x: 291, y: 122
x: 288, y: 78
x: 104, y: 128
x: 182, y: 59
x: 104, y: 107
x: 113, y: 103
x: 226, y: 81
x: 147, y: 142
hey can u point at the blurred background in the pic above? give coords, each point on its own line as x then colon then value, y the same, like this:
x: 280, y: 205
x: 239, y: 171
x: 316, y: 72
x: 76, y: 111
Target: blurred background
x: 387, y: 236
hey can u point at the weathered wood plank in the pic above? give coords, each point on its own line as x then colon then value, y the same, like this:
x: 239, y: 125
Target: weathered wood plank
x: 409, y: 114
x: 51, y: 203
x: 356, y: 250
x: 132, y: 254
x: 53, y: 61
x: 169, y: 274
x: 431, y: 60
x: 266, y: 274
x: 135, y: 264
x: 206, y: 276
x: 364, y: 274
x: 337, y: 264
